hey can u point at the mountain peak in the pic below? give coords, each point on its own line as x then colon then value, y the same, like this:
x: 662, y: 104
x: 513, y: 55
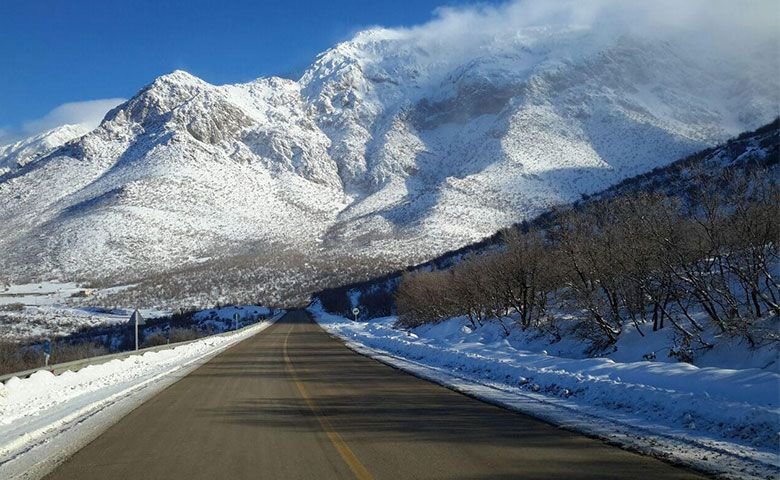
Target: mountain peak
x: 180, y: 77
x: 377, y: 34
x: 159, y: 97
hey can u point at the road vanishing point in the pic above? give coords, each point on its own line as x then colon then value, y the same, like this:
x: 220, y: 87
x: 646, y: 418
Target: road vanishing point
x: 294, y: 403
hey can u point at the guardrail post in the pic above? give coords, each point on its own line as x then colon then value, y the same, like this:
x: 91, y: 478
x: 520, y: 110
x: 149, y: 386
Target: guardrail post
x: 136, y: 319
x: 46, y: 352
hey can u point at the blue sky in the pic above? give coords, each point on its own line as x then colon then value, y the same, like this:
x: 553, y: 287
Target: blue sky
x: 70, y: 61
x: 56, y: 52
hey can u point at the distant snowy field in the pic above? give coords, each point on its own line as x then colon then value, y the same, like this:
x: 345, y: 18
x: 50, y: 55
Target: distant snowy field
x: 717, y: 419
x: 52, y: 309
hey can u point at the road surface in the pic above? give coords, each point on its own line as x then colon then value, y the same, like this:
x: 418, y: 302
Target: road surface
x: 294, y: 403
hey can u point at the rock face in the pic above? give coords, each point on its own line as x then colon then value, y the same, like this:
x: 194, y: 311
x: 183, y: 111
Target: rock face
x: 383, y: 149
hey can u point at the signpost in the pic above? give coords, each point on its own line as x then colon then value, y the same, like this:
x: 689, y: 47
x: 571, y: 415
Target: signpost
x: 356, y: 312
x: 46, y: 352
x: 135, y: 320
x: 236, y: 317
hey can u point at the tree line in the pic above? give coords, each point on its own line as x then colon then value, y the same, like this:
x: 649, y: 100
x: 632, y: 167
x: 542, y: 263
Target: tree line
x: 704, y: 261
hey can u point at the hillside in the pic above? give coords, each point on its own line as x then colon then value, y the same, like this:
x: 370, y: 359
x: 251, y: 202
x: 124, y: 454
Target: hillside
x: 751, y: 153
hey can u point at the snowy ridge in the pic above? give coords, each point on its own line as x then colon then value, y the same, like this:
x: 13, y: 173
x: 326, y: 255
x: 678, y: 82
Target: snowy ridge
x: 25, y: 151
x: 386, y: 148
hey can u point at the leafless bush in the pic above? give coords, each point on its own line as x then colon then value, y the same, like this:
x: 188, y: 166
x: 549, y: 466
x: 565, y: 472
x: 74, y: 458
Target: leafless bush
x: 426, y: 297
x: 378, y: 302
x: 154, y: 340
x: 336, y: 301
x: 12, y: 307
x: 15, y: 357
x: 64, y: 352
x: 645, y: 258
x: 184, y: 334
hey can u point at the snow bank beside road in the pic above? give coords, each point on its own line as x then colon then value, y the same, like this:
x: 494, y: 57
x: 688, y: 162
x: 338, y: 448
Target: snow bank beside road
x: 35, y: 409
x: 719, y: 420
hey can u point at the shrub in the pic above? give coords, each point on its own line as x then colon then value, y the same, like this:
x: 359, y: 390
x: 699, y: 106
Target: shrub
x: 336, y: 301
x: 15, y: 357
x: 639, y: 258
x: 377, y: 302
x: 184, y: 334
x: 154, y: 340
x: 12, y: 307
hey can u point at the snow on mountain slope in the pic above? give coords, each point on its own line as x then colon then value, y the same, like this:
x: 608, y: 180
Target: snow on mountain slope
x: 386, y: 148
x: 158, y: 185
x: 21, y: 153
x: 445, y: 153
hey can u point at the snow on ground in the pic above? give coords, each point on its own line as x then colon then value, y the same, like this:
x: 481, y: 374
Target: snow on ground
x: 44, y: 293
x: 729, y: 352
x: 35, y: 411
x: 51, y: 309
x: 49, y: 293
x: 31, y: 323
x: 715, y: 419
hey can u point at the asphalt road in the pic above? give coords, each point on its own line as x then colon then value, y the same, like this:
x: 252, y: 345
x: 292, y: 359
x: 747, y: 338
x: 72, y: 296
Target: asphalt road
x: 293, y: 403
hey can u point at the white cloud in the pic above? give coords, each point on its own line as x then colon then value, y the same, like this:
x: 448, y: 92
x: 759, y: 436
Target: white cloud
x: 8, y: 135
x: 749, y: 18
x: 720, y: 27
x: 88, y: 113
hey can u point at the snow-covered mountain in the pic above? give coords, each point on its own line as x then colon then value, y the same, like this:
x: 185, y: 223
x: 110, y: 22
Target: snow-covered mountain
x: 22, y: 152
x: 384, y: 149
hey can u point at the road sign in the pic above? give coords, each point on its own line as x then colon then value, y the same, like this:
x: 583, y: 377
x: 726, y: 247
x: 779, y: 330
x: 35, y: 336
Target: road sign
x: 356, y: 312
x: 137, y: 319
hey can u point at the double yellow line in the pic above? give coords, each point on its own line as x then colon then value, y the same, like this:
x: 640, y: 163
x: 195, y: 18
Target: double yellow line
x: 349, y: 457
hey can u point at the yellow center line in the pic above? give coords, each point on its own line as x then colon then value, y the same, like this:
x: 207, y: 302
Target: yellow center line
x: 346, y: 453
